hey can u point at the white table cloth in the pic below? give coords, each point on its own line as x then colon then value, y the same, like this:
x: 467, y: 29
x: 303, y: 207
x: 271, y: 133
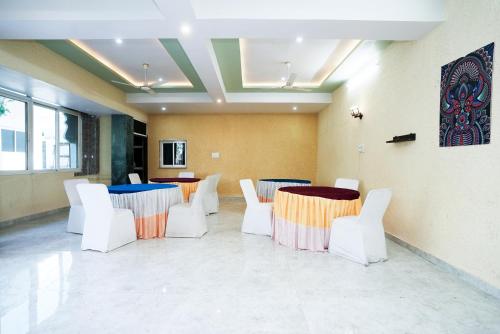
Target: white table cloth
x: 150, y: 209
x: 266, y: 188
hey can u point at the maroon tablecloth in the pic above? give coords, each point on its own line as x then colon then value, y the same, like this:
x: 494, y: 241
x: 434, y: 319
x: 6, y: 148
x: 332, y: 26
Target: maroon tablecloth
x: 174, y: 179
x: 325, y: 192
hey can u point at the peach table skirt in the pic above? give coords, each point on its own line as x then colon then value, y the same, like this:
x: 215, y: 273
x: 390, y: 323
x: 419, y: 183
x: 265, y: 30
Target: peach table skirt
x: 187, y: 188
x: 150, y: 209
x: 303, y: 222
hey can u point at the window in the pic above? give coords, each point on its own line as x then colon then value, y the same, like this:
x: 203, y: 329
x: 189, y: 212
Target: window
x: 49, y: 141
x: 12, y: 134
x: 68, y: 140
x: 44, y: 138
x: 173, y: 153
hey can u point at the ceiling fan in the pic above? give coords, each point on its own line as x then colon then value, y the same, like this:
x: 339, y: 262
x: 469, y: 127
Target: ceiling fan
x: 145, y: 87
x: 290, y: 79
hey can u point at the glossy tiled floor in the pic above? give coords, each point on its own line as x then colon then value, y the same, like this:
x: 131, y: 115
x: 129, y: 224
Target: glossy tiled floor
x: 225, y: 282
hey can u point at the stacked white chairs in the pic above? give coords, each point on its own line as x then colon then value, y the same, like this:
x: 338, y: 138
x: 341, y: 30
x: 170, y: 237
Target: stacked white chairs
x: 361, y: 238
x: 186, y: 174
x: 134, y: 178
x: 105, y: 228
x: 347, y: 184
x: 187, y: 220
x: 76, y: 218
x: 258, y: 216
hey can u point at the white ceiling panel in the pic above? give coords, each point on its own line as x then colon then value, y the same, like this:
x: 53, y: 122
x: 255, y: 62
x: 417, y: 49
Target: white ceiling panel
x: 132, y: 53
x: 262, y: 61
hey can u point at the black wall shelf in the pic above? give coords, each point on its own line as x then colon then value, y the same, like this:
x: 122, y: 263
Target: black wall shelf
x: 403, y: 138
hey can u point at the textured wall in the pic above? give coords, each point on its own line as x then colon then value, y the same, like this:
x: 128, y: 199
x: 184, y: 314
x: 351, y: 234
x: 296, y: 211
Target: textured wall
x: 446, y: 200
x: 251, y: 146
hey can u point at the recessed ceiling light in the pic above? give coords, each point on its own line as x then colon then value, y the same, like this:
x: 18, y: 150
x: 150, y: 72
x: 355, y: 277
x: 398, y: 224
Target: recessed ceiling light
x: 295, y: 108
x: 283, y: 79
x: 118, y: 41
x: 219, y: 100
x: 160, y: 79
x: 185, y: 29
x: 299, y: 39
x: 163, y: 108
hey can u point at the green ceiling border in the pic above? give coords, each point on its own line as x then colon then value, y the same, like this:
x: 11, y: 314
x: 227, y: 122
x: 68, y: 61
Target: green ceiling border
x: 175, y: 50
x: 73, y: 53
x: 227, y: 52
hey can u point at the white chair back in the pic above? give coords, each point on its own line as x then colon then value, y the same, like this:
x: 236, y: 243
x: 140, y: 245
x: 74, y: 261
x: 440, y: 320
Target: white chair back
x: 347, y: 183
x: 216, y: 181
x: 375, y: 205
x: 200, y: 192
x: 186, y: 174
x: 249, y: 192
x: 98, y: 213
x: 71, y: 192
x: 134, y: 178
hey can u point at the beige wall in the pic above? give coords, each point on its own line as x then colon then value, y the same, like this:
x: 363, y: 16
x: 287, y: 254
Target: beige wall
x: 445, y: 200
x: 26, y: 194
x: 251, y: 146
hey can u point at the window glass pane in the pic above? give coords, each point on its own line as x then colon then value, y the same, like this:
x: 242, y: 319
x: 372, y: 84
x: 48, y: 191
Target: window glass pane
x: 68, y: 140
x: 12, y: 119
x: 20, y: 141
x: 8, y: 140
x: 44, y: 137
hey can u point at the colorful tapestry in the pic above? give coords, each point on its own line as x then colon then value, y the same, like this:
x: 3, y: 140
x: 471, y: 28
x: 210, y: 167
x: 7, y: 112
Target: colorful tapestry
x: 466, y: 98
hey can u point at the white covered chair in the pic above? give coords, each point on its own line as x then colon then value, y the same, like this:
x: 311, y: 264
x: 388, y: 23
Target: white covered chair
x: 186, y: 174
x: 76, y: 217
x: 347, y: 183
x: 105, y: 228
x: 361, y: 238
x: 211, y: 198
x: 257, y: 219
x: 187, y: 220
x: 134, y: 178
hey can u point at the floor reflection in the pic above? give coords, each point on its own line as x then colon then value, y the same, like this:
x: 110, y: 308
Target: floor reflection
x: 47, y: 280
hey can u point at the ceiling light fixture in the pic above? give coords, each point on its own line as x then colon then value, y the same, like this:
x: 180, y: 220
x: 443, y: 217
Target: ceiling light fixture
x: 299, y: 39
x: 163, y: 108
x: 118, y: 40
x: 295, y: 108
x: 219, y: 100
x: 160, y: 79
x: 185, y: 29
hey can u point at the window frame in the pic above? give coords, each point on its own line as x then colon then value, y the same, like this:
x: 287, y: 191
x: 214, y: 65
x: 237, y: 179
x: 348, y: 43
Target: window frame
x: 30, y: 102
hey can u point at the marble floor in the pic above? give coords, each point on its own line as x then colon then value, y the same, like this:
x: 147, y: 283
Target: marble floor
x: 225, y: 282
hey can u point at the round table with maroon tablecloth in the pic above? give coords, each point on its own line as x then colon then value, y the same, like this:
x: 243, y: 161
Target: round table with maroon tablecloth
x: 303, y: 215
x: 188, y: 184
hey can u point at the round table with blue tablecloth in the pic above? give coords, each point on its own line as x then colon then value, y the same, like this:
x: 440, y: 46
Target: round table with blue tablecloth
x: 149, y: 203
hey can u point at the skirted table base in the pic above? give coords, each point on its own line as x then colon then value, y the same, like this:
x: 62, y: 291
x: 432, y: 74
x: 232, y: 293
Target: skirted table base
x: 304, y: 222
x: 150, y: 209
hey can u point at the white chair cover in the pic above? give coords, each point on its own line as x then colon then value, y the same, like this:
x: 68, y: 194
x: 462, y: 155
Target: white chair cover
x: 186, y: 174
x: 105, y: 228
x: 134, y: 178
x: 362, y: 238
x: 258, y: 216
x: 347, y: 183
x: 76, y: 217
x: 187, y: 220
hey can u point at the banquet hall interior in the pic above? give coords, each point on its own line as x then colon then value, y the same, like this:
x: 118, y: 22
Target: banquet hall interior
x: 234, y: 166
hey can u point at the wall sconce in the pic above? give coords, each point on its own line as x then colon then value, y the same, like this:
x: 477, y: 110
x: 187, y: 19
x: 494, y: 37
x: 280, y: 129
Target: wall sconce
x: 355, y: 112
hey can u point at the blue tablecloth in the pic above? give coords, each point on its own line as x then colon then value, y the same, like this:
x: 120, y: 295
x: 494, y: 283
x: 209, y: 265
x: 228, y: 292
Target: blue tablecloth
x: 286, y: 180
x: 135, y: 188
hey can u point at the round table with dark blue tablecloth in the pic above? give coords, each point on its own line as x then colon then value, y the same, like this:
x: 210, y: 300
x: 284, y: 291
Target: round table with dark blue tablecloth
x: 149, y: 203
